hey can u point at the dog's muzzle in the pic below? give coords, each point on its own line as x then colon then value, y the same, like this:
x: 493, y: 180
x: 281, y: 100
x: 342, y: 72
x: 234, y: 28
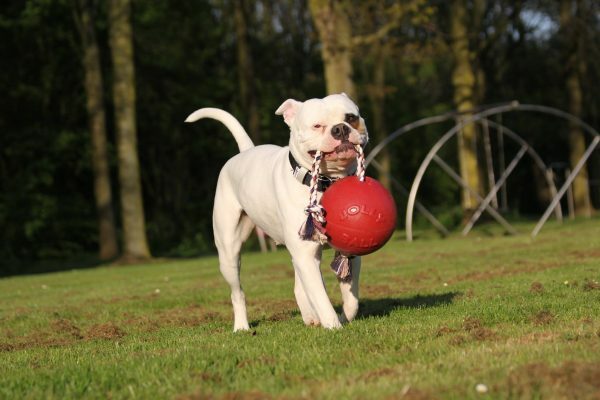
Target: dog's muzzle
x: 340, y: 132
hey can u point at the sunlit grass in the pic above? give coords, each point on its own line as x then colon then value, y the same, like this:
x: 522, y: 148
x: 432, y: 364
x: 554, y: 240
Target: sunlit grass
x: 438, y: 317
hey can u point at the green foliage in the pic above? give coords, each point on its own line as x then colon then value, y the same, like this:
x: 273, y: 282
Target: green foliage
x: 185, y: 58
x: 437, y: 317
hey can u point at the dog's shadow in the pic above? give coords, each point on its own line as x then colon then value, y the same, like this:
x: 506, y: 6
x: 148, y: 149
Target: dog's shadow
x: 376, y: 307
x: 385, y: 306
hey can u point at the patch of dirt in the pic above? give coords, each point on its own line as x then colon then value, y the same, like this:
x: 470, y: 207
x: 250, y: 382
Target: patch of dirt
x: 536, y: 287
x: 470, y: 324
x: 190, y: 316
x: 273, y: 310
x: 67, y: 327
x: 469, y: 294
x: 111, y: 300
x: 585, y: 254
x: 591, y: 285
x: 538, y: 337
x: 377, y: 374
x: 525, y: 267
x: 387, y: 261
x: 411, y: 393
x: 251, y: 395
x: 209, y: 377
x: 571, y: 380
x: 543, y: 317
x: 444, y: 330
x: 377, y: 291
x: 458, y: 340
x: 37, y: 339
x: 280, y: 316
x: 474, y: 330
x: 107, y: 331
x: 6, y: 347
x: 63, y: 332
x: 482, y: 334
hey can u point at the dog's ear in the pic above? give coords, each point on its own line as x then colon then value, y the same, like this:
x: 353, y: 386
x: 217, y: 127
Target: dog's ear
x: 288, y: 109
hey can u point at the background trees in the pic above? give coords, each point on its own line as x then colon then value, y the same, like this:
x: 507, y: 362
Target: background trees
x: 94, y: 91
x: 399, y: 60
x: 135, y: 245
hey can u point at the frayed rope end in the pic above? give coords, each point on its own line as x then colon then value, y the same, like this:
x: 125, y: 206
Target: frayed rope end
x: 342, y: 266
x: 313, y: 230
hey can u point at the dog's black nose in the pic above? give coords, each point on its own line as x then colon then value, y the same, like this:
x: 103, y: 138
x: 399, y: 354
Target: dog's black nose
x: 340, y: 131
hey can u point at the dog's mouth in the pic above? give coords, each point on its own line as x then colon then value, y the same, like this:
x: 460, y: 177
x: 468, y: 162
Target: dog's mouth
x: 343, y: 151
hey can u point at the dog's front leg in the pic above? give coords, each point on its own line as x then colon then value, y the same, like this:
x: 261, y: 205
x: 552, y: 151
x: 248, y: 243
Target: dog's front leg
x: 309, y: 316
x: 349, y: 289
x: 306, y: 265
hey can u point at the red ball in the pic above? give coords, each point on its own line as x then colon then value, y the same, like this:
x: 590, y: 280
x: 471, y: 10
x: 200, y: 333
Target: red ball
x: 360, y: 216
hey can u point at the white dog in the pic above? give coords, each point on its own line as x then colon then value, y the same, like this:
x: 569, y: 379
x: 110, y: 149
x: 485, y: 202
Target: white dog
x: 266, y: 186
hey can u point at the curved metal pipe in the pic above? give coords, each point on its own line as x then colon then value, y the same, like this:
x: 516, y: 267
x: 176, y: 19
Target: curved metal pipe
x: 433, y: 151
x: 535, y: 157
x: 512, y: 106
x: 503, y: 107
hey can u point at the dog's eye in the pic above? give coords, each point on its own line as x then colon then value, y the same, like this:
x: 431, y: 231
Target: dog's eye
x: 352, y: 120
x: 317, y: 126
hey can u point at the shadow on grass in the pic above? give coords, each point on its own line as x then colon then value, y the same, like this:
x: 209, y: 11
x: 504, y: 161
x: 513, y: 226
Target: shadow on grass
x: 385, y: 306
x: 373, y: 307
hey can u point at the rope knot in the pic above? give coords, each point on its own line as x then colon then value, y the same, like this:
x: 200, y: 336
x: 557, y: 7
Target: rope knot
x: 315, y: 226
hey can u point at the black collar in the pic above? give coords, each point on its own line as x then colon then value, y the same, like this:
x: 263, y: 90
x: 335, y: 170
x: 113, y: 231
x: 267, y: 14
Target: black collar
x: 304, y: 176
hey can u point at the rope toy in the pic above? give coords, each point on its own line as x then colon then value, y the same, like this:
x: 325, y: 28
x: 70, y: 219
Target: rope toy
x: 315, y: 226
x: 313, y: 229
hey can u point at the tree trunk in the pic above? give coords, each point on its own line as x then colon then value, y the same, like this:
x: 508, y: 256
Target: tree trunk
x: 463, y: 81
x: 245, y: 68
x: 107, y: 233
x: 376, y: 94
x: 135, y: 245
x: 574, y: 64
x: 333, y: 26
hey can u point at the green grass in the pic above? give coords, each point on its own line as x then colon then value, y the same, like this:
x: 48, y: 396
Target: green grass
x: 437, y: 318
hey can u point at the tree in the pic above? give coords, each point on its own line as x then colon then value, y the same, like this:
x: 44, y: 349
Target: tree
x: 570, y: 11
x: 331, y: 20
x: 380, y: 33
x: 245, y: 68
x: 464, y: 82
x: 135, y: 245
x: 107, y: 233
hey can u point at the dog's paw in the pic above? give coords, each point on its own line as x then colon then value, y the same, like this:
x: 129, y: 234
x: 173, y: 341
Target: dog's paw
x: 312, y: 322
x: 334, y: 324
x: 343, y: 319
x: 241, y: 328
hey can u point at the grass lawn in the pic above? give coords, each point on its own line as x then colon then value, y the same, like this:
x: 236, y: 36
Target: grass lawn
x: 438, y: 317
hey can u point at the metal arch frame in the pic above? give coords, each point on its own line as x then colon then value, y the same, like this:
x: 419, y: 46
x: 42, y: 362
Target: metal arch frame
x: 430, y: 157
x: 499, y: 109
x: 505, y: 107
x: 483, y: 202
x: 571, y: 177
x: 525, y: 147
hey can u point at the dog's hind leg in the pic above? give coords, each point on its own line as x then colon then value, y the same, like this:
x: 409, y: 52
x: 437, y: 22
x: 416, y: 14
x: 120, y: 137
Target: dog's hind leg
x: 231, y: 227
x: 349, y: 291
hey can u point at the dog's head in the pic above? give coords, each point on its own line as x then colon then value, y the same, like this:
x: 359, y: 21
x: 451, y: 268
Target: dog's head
x: 332, y: 125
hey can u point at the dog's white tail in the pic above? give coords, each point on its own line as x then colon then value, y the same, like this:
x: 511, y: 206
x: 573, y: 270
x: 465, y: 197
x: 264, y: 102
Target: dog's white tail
x: 237, y: 130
